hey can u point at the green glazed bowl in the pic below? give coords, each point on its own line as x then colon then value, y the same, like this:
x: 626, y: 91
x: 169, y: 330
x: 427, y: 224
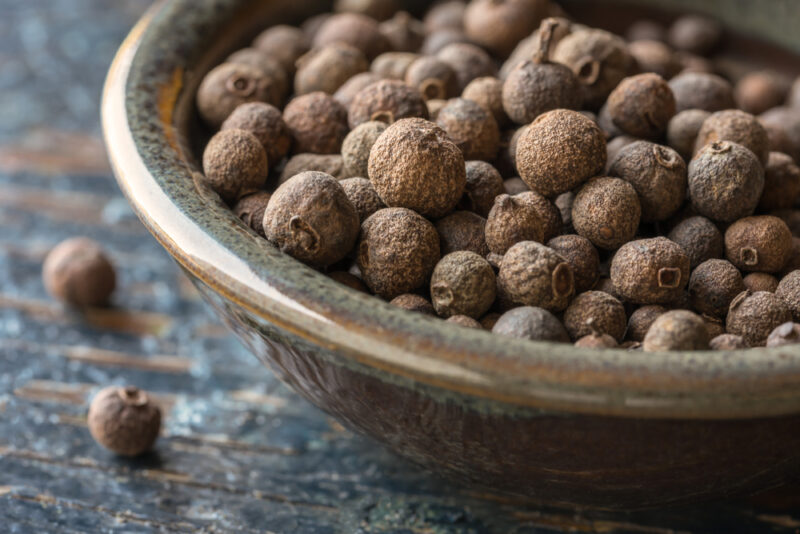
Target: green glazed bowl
x: 543, y: 421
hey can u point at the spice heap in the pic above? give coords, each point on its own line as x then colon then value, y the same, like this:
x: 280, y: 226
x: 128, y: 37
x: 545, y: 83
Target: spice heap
x: 499, y: 165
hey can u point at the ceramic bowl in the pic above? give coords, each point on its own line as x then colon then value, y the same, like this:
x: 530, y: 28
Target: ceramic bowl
x: 543, y: 421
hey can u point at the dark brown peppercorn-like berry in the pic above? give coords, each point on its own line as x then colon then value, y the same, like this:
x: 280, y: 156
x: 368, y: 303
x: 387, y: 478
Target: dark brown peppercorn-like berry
x: 327, y: 69
x: 414, y: 164
x: 754, y: 315
x: 695, y: 34
x: 266, y: 123
x: 606, y: 285
x: 318, y: 123
x: 596, y: 341
x: 760, y: 282
x: 642, y: 105
x: 386, y: 101
x: 487, y: 92
x: 471, y: 128
x: 397, y: 251
x: 78, y: 273
x: 641, y: 320
x: 654, y: 56
x: 528, y: 322
x: 468, y: 62
x: 363, y: 196
x: 357, y: 146
x: 515, y: 186
x: 677, y: 330
x: 350, y: 280
x: 377, y: 9
x: 463, y: 283
x: 650, y: 271
x: 595, y: 311
x: 124, y: 420
x: 781, y: 183
x: 683, y: 128
x: 785, y: 334
x: 446, y: 15
x: 727, y: 342
x: 760, y: 91
x: 791, y: 218
x: 285, y: 44
x: 700, y: 90
x: 784, y: 123
x: 762, y: 243
x: 699, y: 238
x: 725, y: 181
x: 534, y: 275
x: 712, y: 287
x: 582, y: 256
x: 510, y: 221
x: 273, y: 70
x: 550, y: 215
x: 310, y: 218
x: 356, y: 30
x: 657, y: 173
x: 483, y: 185
x: 735, y: 126
x: 250, y: 209
x: 434, y: 78
x: 606, y: 211
x: 393, y: 65
x: 794, y: 257
x: 404, y: 32
x: 234, y: 164
x: 466, y: 322
x: 615, y: 146
x: 463, y: 230
x: 498, y: 25
x: 328, y: 163
x: 231, y: 84
x: 788, y: 290
x: 349, y: 89
x: 413, y: 303
x: 559, y: 151
x: 439, y: 40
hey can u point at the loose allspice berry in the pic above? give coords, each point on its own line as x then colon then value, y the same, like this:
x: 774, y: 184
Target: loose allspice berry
x: 468, y: 62
x: 78, y: 272
x: 483, y: 185
x: 462, y: 283
x: 310, y: 218
x: 498, y: 25
x: 760, y: 243
x: 713, y: 285
x: 760, y: 91
x: 124, y: 420
x: 676, y: 330
x: 550, y: 215
x: 641, y: 320
x: 357, y: 30
x: 754, y: 315
x: 781, y: 183
x: 582, y: 257
x: 761, y: 282
x: 230, y: 84
x: 700, y: 239
x: 529, y: 322
x: 510, y: 221
x: 735, y: 126
x: 655, y: 56
x: 695, y: 34
x: 433, y: 78
x: 393, y: 65
x: 357, y: 146
x: 785, y: 334
x: 727, y: 342
x: 701, y: 90
x: 363, y: 196
x: 273, y: 71
x: 250, y: 209
x: 466, y: 322
x: 642, y: 105
x: 487, y: 92
x: 265, y: 122
x: 463, y: 230
x: 532, y: 274
x: 595, y: 312
x: 606, y: 211
x: 328, y: 163
x: 386, y: 101
x: 414, y: 303
x: 317, y: 122
x: 326, y: 69
x: 285, y: 44
x: 650, y: 271
x: 234, y: 164
x: 471, y: 127
x: 682, y: 131
x: 788, y: 290
x: 349, y: 89
x: 404, y: 32
x: 596, y: 341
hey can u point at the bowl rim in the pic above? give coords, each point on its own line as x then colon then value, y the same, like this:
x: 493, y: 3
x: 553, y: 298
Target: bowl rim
x: 141, y: 108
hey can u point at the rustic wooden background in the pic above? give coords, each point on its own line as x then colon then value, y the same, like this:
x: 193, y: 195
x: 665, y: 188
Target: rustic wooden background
x: 239, y: 451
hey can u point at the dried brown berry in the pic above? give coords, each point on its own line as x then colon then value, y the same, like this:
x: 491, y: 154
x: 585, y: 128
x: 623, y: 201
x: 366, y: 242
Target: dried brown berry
x: 785, y: 334
x: 466, y: 322
x: 650, y: 271
x: 349, y: 89
x: 559, y: 151
x: 357, y: 146
x: 654, y: 56
x: 788, y: 290
x: 463, y: 283
x: 677, y: 330
x: 699, y: 238
x: 596, y: 341
x: 386, y: 101
x: 510, y: 221
x: 78, y: 272
x: 791, y: 218
x: 234, y: 164
x: 498, y: 25
x: 250, y: 209
x: 273, y: 70
x: 414, y: 164
x: 712, y: 287
x: 359, y: 31
x: 471, y: 128
x: 781, y: 183
x: 328, y: 163
x: 528, y: 322
x: 124, y: 420
x: 735, y: 126
x: 683, y: 128
x: 377, y: 9
x: 515, y: 186
x: 657, y: 173
x: 434, y: 78
x: 532, y: 44
x: 483, y: 185
x: 701, y: 90
x: 363, y: 196
x: 393, y: 65
x: 266, y: 123
x: 695, y: 34
x: 785, y: 122
x: 760, y: 282
x: 762, y: 243
x: 506, y: 161
x: 725, y: 181
x: 606, y: 285
x: 285, y: 44
x: 727, y: 342
x: 326, y: 69
x: 487, y: 92
x: 441, y: 39
x: 582, y: 256
x: 397, y: 251
x: 595, y: 312
x: 534, y: 275
x: 754, y: 315
x: 759, y: 91
x: 606, y: 211
x: 646, y: 30
x: 310, y: 218
x: 642, y: 105
x: 445, y: 15
x: 641, y: 320
x: 404, y: 32
x: 350, y: 280
x: 231, y: 84
x: 548, y: 212
x: 468, y: 62
x: 318, y: 123
x: 463, y: 230
x: 413, y: 303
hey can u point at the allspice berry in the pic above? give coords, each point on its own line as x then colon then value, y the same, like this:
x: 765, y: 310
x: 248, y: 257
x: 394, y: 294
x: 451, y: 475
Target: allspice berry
x: 124, y: 420
x: 700, y: 239
x: 471, y: 127
x: 528, y: 322
x: 230, y: 84
x: 349, y: 89
x: 596, y: 341
x: 682, y: 131
x: 328, y: 163
x: 77, y: 272
x: 393, y: 65
x: 377, y: 9
x: 274, y: 71
x: 441, y: 39
x: 357, y: 30
x: 642, y: 105
x: 559, y: 151
x: 483, y: 185
x: 498, y: 25
x: 463, y: 283
x: 641, y: 320
x: 657, y: 173
x: 433, y: 78
x: 650, y: 271
x: 466, y: 322
x: 725, y: 181
x: 413, y: 303
x: 606, y: 211
x: 326, y: 69
x: 700, y: 90
x: 727, y: 342
x: 468, y: 62
x: 318, y: 123
x: 582, y: 257
x: 404, y: 32
x: 595, y: 312
x: 754, y: 315
x: 761, y: 243
x: 310, y: 218
x: 234, y: 164
x: 655, y: 56
x: 414, y: 164
x: 285, y: 44
x: 445, y: 15
x: 250, y: 209
x: 487, y: 92
x: 756, y: 282
x: 265, y: 122
x: 677, y: 330
x: 462, y: 230
x: 397, y: 251
x: 357, y: 146
x: 712, y: 287
x: 510, y: 221
x: 550, y: 215
x: 735, y: 126
x: 695, y: 34
x: 386, y: 101
x: 534, y: 275
x: 760, y: 91
x: 363, y: 196
x: 785, y: 334
x: 781, y: 183
x: 788, y: 290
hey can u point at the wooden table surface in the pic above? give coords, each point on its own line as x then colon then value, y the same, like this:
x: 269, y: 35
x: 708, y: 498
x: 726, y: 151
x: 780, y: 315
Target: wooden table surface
x: 239, y: 451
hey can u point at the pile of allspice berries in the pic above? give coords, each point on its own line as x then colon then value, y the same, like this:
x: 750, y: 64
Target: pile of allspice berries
x: 500, y: 166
